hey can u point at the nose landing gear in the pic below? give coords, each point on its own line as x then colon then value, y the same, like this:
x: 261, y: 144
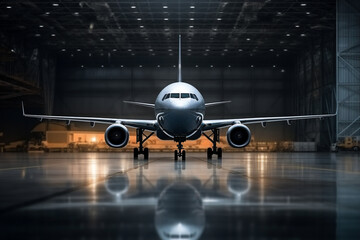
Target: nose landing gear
x: 214, y: 138
x: 139, y: 139
x: 180, y: 152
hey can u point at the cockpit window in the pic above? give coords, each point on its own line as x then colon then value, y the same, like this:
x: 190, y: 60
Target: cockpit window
x: 175, y: 95
x: 185, y: 95
x: 166, y: 96
x: 194, y: 96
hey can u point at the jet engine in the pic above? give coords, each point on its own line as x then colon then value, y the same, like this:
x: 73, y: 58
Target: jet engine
x: 238, y: 136
x: 117, y: 136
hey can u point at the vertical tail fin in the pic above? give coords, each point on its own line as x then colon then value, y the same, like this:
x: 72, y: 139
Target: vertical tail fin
x: 179, y: 67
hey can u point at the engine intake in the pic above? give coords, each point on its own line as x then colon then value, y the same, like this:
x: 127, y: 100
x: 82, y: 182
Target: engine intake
x: 238, y: 136
x: 116, y: 136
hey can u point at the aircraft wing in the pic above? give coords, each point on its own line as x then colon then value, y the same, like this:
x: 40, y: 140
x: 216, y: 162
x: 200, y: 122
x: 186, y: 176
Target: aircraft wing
x: 220, y: 123
x: 150, y: 125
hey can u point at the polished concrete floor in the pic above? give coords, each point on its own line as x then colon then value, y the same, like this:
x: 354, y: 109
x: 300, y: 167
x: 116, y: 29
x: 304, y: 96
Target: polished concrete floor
x: 242, y: 196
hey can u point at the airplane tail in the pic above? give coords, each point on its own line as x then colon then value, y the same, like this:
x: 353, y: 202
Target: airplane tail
x: 179, y: 74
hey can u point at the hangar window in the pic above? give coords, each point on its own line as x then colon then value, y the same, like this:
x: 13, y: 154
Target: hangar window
x: 185, y: 95
x: 175, y: 95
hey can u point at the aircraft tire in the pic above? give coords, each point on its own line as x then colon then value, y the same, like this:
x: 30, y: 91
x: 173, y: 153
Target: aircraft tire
x: 209, y: 153
x: 146, y: 153
x: 175, y: 155
x: 136, y: 153
x: 219, y: 153
x: 183, y: 155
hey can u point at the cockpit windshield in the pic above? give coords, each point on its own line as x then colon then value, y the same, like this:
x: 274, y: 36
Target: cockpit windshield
x: 180, y: 96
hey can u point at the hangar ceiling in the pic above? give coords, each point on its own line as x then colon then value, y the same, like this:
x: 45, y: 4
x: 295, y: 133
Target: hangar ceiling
x: 151, y: 27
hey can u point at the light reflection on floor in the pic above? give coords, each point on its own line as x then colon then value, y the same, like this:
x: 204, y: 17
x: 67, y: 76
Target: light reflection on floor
x: 242, y: 196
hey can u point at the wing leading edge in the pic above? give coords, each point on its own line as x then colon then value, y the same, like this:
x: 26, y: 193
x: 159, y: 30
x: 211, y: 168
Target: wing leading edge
x: 150, y: 125
x: 221, y: 123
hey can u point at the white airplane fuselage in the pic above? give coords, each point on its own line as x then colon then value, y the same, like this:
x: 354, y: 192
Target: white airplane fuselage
x: 179, y: 110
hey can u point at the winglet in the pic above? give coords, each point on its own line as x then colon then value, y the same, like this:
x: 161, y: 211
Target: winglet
x: 23, y: 109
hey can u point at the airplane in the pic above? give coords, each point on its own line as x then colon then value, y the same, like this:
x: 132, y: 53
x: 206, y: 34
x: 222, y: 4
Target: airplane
x: 179, y: 116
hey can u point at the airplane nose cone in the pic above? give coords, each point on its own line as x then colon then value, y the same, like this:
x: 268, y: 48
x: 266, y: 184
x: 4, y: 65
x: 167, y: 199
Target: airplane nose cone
x: 180, y: 122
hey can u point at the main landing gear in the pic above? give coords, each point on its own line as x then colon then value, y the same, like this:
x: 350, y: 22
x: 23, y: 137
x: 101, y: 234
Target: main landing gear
x: 214, y: 137
x: 139, y: 139
x: 180, y: 152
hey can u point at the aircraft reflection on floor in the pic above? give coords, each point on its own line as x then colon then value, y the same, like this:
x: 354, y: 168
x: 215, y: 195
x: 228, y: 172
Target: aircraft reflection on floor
x: 179, y: 206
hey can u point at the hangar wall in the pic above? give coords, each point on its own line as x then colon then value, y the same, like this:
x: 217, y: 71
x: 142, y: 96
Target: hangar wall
x: 314, y: 89
x: 254, y: 89
x: 348, y: 68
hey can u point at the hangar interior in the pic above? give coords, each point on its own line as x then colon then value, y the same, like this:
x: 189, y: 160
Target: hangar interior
x: 269, y: 57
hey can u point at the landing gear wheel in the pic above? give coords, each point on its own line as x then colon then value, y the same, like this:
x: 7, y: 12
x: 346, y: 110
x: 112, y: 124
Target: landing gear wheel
x: 175, y: 155
x: 219, y: 152
x: 209, y: 153
x: 183, y: 155
x: 355, y: 148
x: 146, y: 153
x: 136, y: 153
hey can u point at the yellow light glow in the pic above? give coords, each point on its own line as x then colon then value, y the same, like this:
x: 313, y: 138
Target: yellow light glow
x: 93, y: 139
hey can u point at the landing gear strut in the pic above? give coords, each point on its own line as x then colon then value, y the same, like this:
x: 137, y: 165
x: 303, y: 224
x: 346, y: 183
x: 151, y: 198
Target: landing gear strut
x: 139, y: 139
x: 180, y: 152
x: 214, y: 137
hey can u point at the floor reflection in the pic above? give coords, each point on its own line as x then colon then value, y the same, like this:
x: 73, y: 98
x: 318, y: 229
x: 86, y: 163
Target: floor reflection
x: 257, y: 196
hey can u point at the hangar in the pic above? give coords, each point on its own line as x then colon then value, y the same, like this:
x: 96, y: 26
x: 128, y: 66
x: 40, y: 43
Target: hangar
x: 268, y: 57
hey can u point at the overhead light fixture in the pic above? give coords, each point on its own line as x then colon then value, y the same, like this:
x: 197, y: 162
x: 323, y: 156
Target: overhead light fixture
x: 8, y: 7
x: 297, y: 26
x: 196, y: 66
x: 219, y: 19
x: 121, y: 65
x: 158, y: 66
x: 102, y: 66
x: 129, y: 50
x: 229, y: 66
x: 191, y: 19
x: 170, y: 50
x: 303, y: 35
x: 307, y: 13
x: 191, y: 26
x: 274, y: 66
x: 53, y: 35
x: 140, y: 66
x: 303, y: 4
x: 141, y: 26
x: 207, y: 50
x: 225, y: 50
x: 79, y: 50
x: 248, y: 39
x: 271, y: 50
x: 282, y: 70
x: 285, y: 50
x: 240, y: 50
x: 189, y: 50
x: 55, y: 4
x: 252, y: 66
x: 288, y: 35
x: 211, y: 66
x: 47, y: 13
x: 76, y: 13
x: 151, y: 50
x: 37, y: 35
x: 82, y: 66
x: 133, y: 6
x: 192, y: 6
x: 63, y: 50
x: 165, y: 6
x: 114, y: 50
x: 166, y: 19
x: 101, y: 39
x: 139, y: 19
x: 41, y: 26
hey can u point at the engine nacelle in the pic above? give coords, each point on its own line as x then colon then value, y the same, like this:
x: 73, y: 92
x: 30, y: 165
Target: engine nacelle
x: 238, y: 136
x: 117, y: 136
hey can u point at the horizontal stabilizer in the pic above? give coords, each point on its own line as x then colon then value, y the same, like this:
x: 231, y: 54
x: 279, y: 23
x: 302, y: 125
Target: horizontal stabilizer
x: 216, y: 103
x: 149, y: 105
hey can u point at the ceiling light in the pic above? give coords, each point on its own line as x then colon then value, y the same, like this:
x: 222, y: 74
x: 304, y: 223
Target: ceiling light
x: 307, y: 13
x: 151, y: 50
x: 166, y: 19
x: 191, y: 26
x: 248, y: 39
x: 53, y: 35
x: 191, y: 19
x: 196, y: 65
x: 37, y: 35
x: 279, y: 13
x: 303, y: 35
x: 114, y: 50
x: 271, y: 50
x: 225, y: 50
x: 133, y: 6
x: 170, y: 50
x: 297, y: 26
x: 41, y: 26
x: 79, y: 50
x: 139, y: 19
x: 63, y: 50
x: 211, y: 65
x: 82, y: 66
x: 282, y: 70
x: 192, y: 7
x: 288, y: 35
x: 8, y: 7
x: 165, y: 6
x: 141, y: 26
x: 140, y: 66
x: 219, y: 19
x: 229, y: 66
x: 47, y: 13
x: 76, y: 13
x: 207, y: 50
x: 274, y: 66
x: 285, y: 50
x: 189, y: 50
x: 129, y: 50
x: 102, y: 66
x: 252, y: 66
x: 101, y: 39
x: 303, y: 4
x: 121, y: 65
x: 240, y: 50
x: 55, y: 4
